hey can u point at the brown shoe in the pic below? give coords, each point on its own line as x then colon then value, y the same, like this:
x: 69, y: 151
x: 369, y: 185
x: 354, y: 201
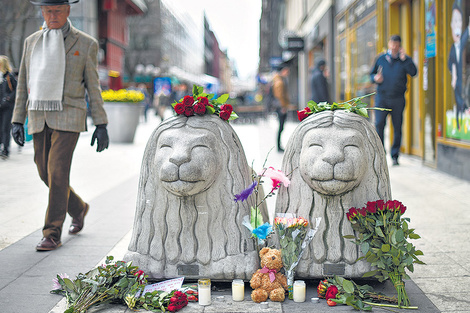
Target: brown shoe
x: 48, y: 244
x: 78, y: 222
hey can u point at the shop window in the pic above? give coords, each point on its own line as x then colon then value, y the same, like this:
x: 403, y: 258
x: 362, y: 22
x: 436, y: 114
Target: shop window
x: 457, y: 110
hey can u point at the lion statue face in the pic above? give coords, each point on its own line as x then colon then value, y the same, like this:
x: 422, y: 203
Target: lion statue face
x: 332, y: 165
x: 186, y: 160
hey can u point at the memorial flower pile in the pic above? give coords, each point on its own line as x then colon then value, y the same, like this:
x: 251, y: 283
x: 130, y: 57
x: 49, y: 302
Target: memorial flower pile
x: 201, y: 103
x: 122, y: 95
x: 355, y: 105
x: 338, y: 290
x: 382, y: 235
x: 294, y: 236
x: 115, y: 282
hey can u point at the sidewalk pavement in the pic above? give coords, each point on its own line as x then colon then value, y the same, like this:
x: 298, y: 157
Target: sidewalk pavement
x: 108, y: 181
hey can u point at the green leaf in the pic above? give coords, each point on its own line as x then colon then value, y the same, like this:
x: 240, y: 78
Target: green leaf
x: 365, y: 247
x: 210, y: 109
x: 419, y: 252
x: 399, y: 235
x: 370, y: 274
x: 348, y: 286
x: 223, y: 98
x: 349, y: 237
x: 414, y: 236
x: 233, y: 116
x: 363, y: 112
x: 379, y: 232
x: 385, y: 247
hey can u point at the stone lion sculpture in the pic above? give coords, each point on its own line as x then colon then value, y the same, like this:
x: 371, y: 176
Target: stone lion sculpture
x: 186, y: 221
x: 337, y: 162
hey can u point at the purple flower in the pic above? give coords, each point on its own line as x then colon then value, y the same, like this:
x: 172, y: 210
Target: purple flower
x: 263, y: 231
x: 55, y: 281
x: 242, y: 196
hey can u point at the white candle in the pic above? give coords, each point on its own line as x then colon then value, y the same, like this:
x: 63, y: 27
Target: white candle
x: 238, y: 290
x: 204, y: 291
x: 299, y: 291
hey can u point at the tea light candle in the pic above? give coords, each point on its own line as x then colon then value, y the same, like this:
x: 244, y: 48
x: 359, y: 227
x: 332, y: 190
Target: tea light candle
x: 204, y: 290
x: 299, y: 291
x: 238, y: 290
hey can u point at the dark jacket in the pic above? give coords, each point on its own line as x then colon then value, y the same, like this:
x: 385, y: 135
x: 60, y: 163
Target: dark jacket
x: 319, y: 86
x: 7, y: 92
x: 395, y: 73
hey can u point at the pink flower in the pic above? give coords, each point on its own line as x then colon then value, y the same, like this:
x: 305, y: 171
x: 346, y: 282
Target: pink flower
x: 55, y: 281
x: 276, y: 176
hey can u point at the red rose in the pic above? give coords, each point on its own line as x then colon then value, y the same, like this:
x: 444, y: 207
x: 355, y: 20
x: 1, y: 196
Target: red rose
x: 362, y: 211
x: 380, y: 205
x: 188, y: 100
x: 370, y: 207
x: 225, y: 115
x: 188, y: 110
x: 171, y: 308
x: 203, y: 100
x: 331, y: 302
x: 303, y: 114
x: 179, y: 108
x: 199, y: 108
x: 227, y: 107
x: 331, y: 292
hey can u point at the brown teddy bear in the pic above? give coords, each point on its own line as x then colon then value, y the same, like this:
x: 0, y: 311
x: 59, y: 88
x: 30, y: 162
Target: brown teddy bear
x: 267, y: 281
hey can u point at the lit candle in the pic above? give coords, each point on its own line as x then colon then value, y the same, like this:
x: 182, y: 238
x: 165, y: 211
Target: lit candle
x: 204, y: 291
x: 238, y: 290
x: 299, y: 291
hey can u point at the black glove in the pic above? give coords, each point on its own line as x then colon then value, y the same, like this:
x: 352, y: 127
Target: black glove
x: 17, y: 131
x: 101, y: 135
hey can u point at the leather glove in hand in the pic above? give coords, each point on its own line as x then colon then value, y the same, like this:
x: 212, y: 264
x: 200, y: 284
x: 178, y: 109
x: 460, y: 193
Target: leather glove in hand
x: 17, y: 131
x: 101, y: 135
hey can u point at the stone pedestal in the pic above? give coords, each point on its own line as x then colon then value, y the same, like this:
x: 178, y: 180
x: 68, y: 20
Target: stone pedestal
x: 186, y: 220
x: 337, y: 162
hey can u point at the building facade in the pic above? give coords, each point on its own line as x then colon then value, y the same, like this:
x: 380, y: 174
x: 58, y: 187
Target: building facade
x: 350, y: 34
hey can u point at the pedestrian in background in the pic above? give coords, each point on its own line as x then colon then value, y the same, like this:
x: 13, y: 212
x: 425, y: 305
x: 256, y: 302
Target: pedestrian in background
x: 281, y: 97
x: 59, y: 64
x: 319, y: 84
x: 390, y: 74
x: 7, y: 102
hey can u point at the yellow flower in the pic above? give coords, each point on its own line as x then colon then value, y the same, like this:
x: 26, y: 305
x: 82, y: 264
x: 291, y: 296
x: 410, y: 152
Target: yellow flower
x: 122, y: 95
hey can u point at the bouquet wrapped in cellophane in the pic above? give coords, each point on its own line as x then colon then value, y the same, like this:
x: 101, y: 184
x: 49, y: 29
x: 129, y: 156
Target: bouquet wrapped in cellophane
x: 294, y: 236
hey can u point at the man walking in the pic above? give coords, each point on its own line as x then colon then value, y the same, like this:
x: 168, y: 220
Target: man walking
x: 319, y: 84
x: 390, y: 74
x: 58, y: 65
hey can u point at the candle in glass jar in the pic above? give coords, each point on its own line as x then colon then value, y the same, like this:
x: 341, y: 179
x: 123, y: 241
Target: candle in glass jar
x: 204, y: 291
x: 299, y: 291
x: 238, y: 290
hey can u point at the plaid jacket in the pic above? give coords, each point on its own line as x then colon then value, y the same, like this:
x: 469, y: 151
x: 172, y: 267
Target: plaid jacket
x: 81, y: 73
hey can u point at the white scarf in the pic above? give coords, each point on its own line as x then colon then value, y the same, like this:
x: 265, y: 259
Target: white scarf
x: 47, y: 71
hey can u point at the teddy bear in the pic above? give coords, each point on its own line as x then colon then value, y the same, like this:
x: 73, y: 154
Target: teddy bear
x: 267, y: 281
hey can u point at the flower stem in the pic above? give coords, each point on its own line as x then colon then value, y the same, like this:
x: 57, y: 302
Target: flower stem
x: 400, y: 287
x: 391, y: 305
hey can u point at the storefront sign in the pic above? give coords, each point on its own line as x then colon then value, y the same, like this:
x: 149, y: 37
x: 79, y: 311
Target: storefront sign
x: 295, y: 44
x: 430, y: 22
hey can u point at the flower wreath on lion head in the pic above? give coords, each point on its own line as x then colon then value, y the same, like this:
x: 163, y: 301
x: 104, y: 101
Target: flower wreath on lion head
x: 201, y: 103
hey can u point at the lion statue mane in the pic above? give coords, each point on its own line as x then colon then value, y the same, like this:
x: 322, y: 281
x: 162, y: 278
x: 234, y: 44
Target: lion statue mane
x: 337, y: 162
x: 186, y: 221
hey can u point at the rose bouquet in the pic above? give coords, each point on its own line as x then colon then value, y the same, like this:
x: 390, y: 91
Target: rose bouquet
x: 294, y: 236
x: 338, y: 290
x: 382, y: 235
x: 115, y: 282
x: 201, y: 103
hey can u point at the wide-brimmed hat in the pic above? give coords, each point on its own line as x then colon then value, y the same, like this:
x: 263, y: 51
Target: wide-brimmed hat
x: 53, y: 2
